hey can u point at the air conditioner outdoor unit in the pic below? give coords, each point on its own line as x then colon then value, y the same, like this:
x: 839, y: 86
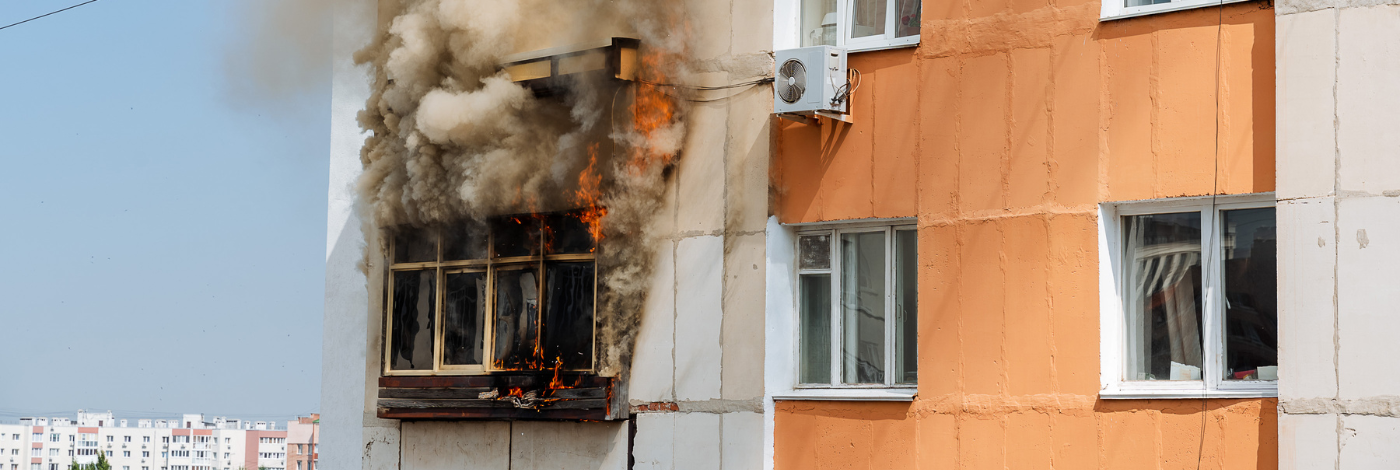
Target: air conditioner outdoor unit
x: 811, y: 80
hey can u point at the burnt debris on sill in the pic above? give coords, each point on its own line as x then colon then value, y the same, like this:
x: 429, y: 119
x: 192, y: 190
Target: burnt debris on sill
x: 544, y: 395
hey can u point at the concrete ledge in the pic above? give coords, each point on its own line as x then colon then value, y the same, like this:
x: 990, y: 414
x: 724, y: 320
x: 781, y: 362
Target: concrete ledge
x: 1385, y: 406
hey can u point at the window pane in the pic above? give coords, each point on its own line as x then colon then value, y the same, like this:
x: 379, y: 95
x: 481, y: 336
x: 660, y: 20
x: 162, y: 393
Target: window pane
x: 818, y: 23
x: 568, y: 324
x: 1162, y: 257
x: 1251, y: 294
x: 566, y: 233
x: 516, y: 318
x: 411, y: 344
x: 464, y: 242
x: 906, y: 307
x: 413, y: 245
x: 868, y: 18
x: 909, y: 15
x: 815, y: 252
x: 463, y: 317
x: 1138, y: 3
x: 863, y: 307
x: 814, y: 348
x: 515, y: 236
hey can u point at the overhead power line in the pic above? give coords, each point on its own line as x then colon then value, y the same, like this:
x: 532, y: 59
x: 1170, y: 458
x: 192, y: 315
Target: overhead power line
x: 47, y: 14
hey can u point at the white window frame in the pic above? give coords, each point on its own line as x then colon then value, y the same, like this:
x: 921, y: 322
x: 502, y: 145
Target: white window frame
x: 1112, y: 319
x: 781, y: 367
x: 1116, y: 10
x: 787, y: 28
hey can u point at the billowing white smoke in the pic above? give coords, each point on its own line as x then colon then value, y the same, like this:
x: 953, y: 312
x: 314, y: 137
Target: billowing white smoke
x: 453, y: 138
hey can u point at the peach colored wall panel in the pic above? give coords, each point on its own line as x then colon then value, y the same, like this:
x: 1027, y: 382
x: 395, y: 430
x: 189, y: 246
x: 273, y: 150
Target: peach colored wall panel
x: 1028, y: 345
x: 1074, y: 303
x: 939, y: 311
x: 983, y: 289
x: 938, y: 138
x: 845, y: 435
x: 1028, y: 179
x: 983, y: 134
x: 1002, y: 132
x: 895, y: 166
x: 1074, y: 120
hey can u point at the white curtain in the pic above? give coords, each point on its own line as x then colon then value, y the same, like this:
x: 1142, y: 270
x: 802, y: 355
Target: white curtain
x: 1158, y: 275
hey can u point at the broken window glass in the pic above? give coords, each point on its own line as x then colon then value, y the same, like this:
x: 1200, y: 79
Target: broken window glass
x: 463, y: 318
x: 411, y: 342
x: 464, y: 242
x: 567, y: 234
x: 1162, y: 256
x: 863, y: 307
x: 814, y: 348
x: 1250, y: 246
x: 515, y: 236
x: 490, y: 313
x: 906, y: 306
x: 814, y: 251
x: 414, y: 245
x: 516, y: 319
x: 568, y: 324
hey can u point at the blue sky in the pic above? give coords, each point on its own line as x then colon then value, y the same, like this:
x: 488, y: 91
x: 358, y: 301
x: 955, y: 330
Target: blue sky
x: 162, y: 238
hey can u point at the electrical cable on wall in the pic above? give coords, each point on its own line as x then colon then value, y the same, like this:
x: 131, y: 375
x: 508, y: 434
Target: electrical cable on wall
x: 1214, y: 193
x: 676, y: 86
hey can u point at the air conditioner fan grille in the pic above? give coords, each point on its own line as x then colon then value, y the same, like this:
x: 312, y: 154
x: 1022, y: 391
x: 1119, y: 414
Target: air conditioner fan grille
x: 791, y: 82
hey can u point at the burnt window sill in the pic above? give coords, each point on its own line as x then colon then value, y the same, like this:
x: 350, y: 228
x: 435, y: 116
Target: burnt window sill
x: 512, y: 396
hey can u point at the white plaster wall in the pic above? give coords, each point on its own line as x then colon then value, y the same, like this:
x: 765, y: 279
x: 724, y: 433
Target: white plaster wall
x: 653, y: 447
x: 465, y: 445
x: 698, y: 317
x: 1339, y: 233
x: 654, y: 365
x: 1307, y: 274
x: 344, y: 375
x: 540, y: 445
x: 700, y: 350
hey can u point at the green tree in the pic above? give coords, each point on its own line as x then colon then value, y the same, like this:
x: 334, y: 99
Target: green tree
x: 102, y: 463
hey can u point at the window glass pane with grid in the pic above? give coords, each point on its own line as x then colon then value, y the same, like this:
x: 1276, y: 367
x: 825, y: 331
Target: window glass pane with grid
x: 516, y: 293
x: 864, y: 300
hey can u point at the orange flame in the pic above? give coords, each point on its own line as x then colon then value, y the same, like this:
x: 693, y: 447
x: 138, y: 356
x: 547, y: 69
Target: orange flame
x: 587, y: 197
x: 554, y: 383
x: 652, y: 110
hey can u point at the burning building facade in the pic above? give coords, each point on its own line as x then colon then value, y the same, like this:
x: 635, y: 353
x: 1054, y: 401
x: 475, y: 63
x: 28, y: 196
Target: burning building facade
x: 549, y: 236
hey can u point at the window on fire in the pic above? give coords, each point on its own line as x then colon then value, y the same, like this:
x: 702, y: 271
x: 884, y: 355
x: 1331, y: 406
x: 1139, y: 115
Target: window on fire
x: 514, y: 293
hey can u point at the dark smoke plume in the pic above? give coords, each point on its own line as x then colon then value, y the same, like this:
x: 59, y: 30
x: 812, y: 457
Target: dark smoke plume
x: 452, y: 138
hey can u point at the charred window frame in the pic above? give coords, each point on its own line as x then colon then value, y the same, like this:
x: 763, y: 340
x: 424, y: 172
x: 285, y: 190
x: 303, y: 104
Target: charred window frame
x: 857, y: 307
x: 510, y: 294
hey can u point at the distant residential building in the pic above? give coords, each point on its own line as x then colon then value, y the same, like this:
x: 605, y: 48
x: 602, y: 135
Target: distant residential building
x: 191, y: 442
x: 302, y: 436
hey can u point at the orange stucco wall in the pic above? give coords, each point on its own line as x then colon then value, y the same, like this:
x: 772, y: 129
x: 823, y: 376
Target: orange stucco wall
x: 1002, y: 132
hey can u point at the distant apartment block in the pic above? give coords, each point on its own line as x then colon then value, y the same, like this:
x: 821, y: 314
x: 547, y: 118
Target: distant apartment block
x: 191, y: 442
